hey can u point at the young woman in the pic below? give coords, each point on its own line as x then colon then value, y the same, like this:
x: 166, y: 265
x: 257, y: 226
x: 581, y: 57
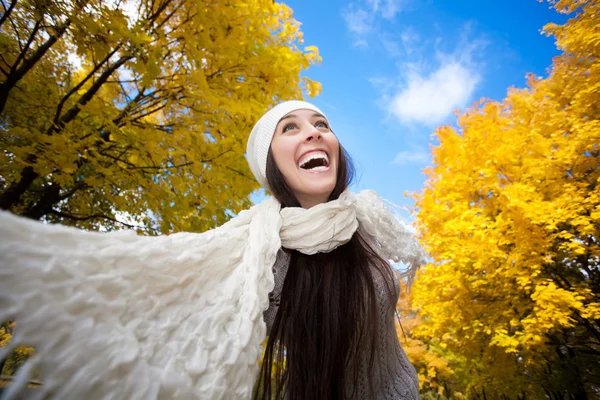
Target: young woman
x: 182, y: 316
x: 331, y: 316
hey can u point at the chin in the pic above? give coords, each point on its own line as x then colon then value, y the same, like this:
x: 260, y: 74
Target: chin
x: 320, y: 191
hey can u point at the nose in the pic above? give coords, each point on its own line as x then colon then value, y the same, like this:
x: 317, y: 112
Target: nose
x: 313, y: 134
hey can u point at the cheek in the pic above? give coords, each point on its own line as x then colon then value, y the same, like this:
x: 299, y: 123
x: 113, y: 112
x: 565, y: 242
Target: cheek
x: 335, y: 147
x: 283, y: 153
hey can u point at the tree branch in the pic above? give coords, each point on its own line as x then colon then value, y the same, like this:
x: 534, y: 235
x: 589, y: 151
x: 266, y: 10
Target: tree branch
x: 17, y: 74
x: 16, y: 33
x: 7, y: 12
x: 44, y: 205
x: 21, y: 56
x: 161, y: 8
x: 80, y: 84
x: 149, y: 113
x: 87, y: 96
x: 92, y: 216
x: 129, y: 106
x: 12, y: 195
x: 160, y: 167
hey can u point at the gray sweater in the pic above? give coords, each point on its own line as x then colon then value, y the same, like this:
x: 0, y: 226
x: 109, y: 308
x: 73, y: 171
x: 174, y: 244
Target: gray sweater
x: 393, y: 376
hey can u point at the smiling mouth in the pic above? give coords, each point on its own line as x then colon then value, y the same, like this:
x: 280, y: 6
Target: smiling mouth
x: 314, y: 161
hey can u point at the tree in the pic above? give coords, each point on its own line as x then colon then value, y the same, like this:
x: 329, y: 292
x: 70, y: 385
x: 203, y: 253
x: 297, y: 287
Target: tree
x: 436, y: 367
x: 510, y: 215
x: 135, y: 113
x: 18, y: 356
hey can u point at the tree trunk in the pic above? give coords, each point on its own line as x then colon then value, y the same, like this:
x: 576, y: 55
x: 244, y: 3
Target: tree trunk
x: 13, y: 194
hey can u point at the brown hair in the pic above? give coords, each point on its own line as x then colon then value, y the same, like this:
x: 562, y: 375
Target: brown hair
x: 328, y: 316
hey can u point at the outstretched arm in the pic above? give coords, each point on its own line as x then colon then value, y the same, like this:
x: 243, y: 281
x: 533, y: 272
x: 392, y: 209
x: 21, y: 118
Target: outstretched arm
x: 122, y: 315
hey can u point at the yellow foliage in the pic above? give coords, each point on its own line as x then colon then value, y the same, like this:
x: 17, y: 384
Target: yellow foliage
x: 429, y: 359
x: 510, y: 216
x: 18, y: 355
x: 148, y: 127
x: 5, y: 335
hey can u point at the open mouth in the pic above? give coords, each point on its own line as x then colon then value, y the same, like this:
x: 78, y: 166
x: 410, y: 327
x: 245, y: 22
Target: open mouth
x: 314, y: 161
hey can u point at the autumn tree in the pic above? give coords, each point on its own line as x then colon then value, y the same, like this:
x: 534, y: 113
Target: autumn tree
x: 17, y: 357
x: 510, y: 215
x: 135, y: 113
x: 436, y: 367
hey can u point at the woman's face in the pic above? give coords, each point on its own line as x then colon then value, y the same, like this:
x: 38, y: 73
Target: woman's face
x: 306, y: 152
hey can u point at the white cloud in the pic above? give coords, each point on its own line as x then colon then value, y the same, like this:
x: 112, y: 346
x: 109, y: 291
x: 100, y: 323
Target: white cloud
x: 416, y: 155
x: 360, y: 43
x: 383, y: 84
x: 392, y: 47
x: 401, y: 45
x: 390, y: 8
x: 386, y: 8
x: 431, y: 99
x: 357, y: 19
x: 433, y: 83
x: 410, y: 40
x: 360, y: 17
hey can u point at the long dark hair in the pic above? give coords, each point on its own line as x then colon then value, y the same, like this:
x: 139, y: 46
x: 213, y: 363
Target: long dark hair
x: 328, y: 320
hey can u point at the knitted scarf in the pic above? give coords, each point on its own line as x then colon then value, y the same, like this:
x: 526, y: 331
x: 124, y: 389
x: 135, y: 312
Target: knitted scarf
x: 122, y: 316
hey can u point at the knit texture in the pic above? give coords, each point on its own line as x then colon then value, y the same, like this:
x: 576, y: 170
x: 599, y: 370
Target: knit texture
x: 261, y: 135
x: 117, y: 315
x: 121, y: 316
x: 393, y: 377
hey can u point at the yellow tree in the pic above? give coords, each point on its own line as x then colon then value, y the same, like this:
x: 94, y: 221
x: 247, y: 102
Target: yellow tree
x: 436, y: 367
x: 21, y: 353
x: 510, y: 214
x: 135, y: 113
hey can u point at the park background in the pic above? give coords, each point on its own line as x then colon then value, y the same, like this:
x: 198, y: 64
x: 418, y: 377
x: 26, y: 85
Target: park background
x: 480, y: 119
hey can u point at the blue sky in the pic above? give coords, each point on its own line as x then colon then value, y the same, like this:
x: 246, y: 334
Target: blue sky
x: 394, y: 70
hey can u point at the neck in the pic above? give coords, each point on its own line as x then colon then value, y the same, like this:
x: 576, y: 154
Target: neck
x: 311, y: 201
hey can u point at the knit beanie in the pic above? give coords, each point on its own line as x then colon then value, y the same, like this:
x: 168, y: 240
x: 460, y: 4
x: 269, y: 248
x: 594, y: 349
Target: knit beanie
x: 260, y: 138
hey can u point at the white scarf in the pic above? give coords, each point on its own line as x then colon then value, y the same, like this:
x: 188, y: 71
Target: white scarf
x: 117, y: 315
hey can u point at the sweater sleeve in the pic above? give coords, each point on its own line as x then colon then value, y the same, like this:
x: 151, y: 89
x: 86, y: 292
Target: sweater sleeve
x: 122, y: 316
x: 280, y: 269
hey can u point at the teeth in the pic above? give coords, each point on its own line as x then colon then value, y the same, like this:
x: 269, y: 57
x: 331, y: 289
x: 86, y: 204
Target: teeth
x: 312, y: 156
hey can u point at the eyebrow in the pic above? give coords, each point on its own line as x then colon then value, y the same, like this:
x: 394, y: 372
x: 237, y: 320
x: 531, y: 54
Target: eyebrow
x: 294, y: 116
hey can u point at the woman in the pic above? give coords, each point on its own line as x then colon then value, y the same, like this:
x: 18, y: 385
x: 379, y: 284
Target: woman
x: 331, y: 315
x: 117, y: 315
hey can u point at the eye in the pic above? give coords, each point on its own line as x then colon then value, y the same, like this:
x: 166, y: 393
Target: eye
x: 289, y: 126
x: 322, y: 123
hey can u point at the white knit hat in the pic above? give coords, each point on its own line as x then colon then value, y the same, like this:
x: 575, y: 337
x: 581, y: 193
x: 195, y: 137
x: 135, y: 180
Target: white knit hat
x: 260, y: 138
